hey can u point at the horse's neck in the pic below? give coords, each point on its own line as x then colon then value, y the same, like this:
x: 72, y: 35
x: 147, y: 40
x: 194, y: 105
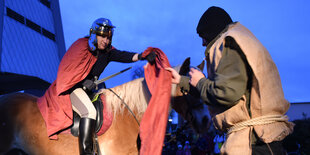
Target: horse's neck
x: 134, y: 93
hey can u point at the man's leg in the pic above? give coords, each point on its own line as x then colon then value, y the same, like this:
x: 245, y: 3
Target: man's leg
x: 84, y: 107
x: 274, y: 148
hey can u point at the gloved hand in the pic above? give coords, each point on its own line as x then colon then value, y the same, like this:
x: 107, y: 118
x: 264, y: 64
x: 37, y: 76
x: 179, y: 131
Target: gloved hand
x: 88, y: 85
x: 150, y: 57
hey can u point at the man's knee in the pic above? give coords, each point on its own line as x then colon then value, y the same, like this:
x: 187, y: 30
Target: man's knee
x: 91, y: 113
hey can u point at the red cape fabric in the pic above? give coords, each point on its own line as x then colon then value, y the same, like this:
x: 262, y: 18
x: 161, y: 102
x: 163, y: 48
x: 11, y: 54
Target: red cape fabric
x: 154, y: 120
x: 56, y: 107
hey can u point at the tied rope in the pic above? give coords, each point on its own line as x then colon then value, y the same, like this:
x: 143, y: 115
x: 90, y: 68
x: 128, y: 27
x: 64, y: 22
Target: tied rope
x: 258, y: 121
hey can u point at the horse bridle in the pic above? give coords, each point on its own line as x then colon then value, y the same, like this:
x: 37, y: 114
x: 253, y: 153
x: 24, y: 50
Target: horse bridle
x: 187, y: 96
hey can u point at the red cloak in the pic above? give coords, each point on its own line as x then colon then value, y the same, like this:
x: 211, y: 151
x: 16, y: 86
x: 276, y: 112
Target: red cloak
x: 55, y: 106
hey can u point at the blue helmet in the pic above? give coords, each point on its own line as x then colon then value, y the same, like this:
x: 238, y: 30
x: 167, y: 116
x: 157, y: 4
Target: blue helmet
x: 102, y: 27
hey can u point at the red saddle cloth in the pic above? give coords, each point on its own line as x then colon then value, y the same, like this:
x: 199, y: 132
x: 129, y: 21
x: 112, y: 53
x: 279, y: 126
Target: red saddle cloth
x: 154, y: 120
x: 107, y: 117
x: 106, y: 121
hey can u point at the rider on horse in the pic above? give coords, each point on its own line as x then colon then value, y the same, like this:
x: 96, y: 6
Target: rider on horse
x: 82, y: 64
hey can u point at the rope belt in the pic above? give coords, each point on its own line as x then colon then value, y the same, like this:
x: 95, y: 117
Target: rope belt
x: 257, y: 121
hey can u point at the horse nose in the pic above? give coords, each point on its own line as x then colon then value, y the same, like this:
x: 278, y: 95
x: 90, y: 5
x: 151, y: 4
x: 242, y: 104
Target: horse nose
x: 206, y: 121
x: 205, y: 124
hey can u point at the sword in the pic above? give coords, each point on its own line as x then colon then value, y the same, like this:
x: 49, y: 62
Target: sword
x: 97, y: 82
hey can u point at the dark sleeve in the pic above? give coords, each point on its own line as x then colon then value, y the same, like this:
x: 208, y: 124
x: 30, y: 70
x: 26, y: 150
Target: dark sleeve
x: 121, y: 56
x: 230, y: 81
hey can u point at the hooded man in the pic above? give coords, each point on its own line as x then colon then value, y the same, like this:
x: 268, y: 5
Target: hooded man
x: 243, y: 89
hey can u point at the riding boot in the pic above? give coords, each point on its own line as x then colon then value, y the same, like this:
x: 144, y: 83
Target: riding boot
x: 86, y: 136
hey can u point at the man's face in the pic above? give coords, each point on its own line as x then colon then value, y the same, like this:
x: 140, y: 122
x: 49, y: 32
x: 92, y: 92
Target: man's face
x: 102, y: 42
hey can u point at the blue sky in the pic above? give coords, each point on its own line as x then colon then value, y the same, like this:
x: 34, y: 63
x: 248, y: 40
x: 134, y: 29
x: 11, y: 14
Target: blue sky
x: 282, y: 27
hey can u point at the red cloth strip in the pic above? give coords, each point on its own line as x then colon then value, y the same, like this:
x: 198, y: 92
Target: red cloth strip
x: 154, y: 121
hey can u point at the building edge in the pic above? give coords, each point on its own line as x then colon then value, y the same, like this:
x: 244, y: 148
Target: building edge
x: 1, y: 27
x: 58, y: 28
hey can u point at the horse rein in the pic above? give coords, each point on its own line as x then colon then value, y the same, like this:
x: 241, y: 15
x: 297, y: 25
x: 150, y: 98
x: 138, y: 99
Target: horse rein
x: 173, y: 90
x: 123, y: 102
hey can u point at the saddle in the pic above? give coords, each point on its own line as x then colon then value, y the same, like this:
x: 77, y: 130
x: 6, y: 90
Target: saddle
x: 97, y: 102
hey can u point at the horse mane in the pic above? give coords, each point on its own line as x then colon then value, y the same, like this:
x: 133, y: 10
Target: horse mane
x: 134, y: 93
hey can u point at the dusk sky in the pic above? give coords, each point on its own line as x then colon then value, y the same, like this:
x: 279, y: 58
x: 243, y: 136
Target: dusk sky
x: 281, y: 26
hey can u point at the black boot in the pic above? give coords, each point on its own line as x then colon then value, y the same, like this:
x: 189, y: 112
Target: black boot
x: 86, y: 136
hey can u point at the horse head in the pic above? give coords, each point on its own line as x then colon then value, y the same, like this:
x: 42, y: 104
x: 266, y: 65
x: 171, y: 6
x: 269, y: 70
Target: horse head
x: 190, y: 106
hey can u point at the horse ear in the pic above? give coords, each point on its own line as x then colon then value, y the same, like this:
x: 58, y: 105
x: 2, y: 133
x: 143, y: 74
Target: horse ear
x: 201, y: 65
x: 185, y: 66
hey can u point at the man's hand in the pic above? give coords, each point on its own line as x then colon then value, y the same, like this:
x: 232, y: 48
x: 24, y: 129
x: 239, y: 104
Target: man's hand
x: 195, y: 76
x: 150, y: 57
x: 176, y: 77
x: 89, y: 85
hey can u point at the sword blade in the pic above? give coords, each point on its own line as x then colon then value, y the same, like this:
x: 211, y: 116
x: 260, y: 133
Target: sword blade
x: 111, y: 76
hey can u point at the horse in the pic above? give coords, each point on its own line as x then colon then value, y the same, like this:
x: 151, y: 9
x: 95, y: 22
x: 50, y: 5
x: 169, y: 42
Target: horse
x: 22, y: 126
